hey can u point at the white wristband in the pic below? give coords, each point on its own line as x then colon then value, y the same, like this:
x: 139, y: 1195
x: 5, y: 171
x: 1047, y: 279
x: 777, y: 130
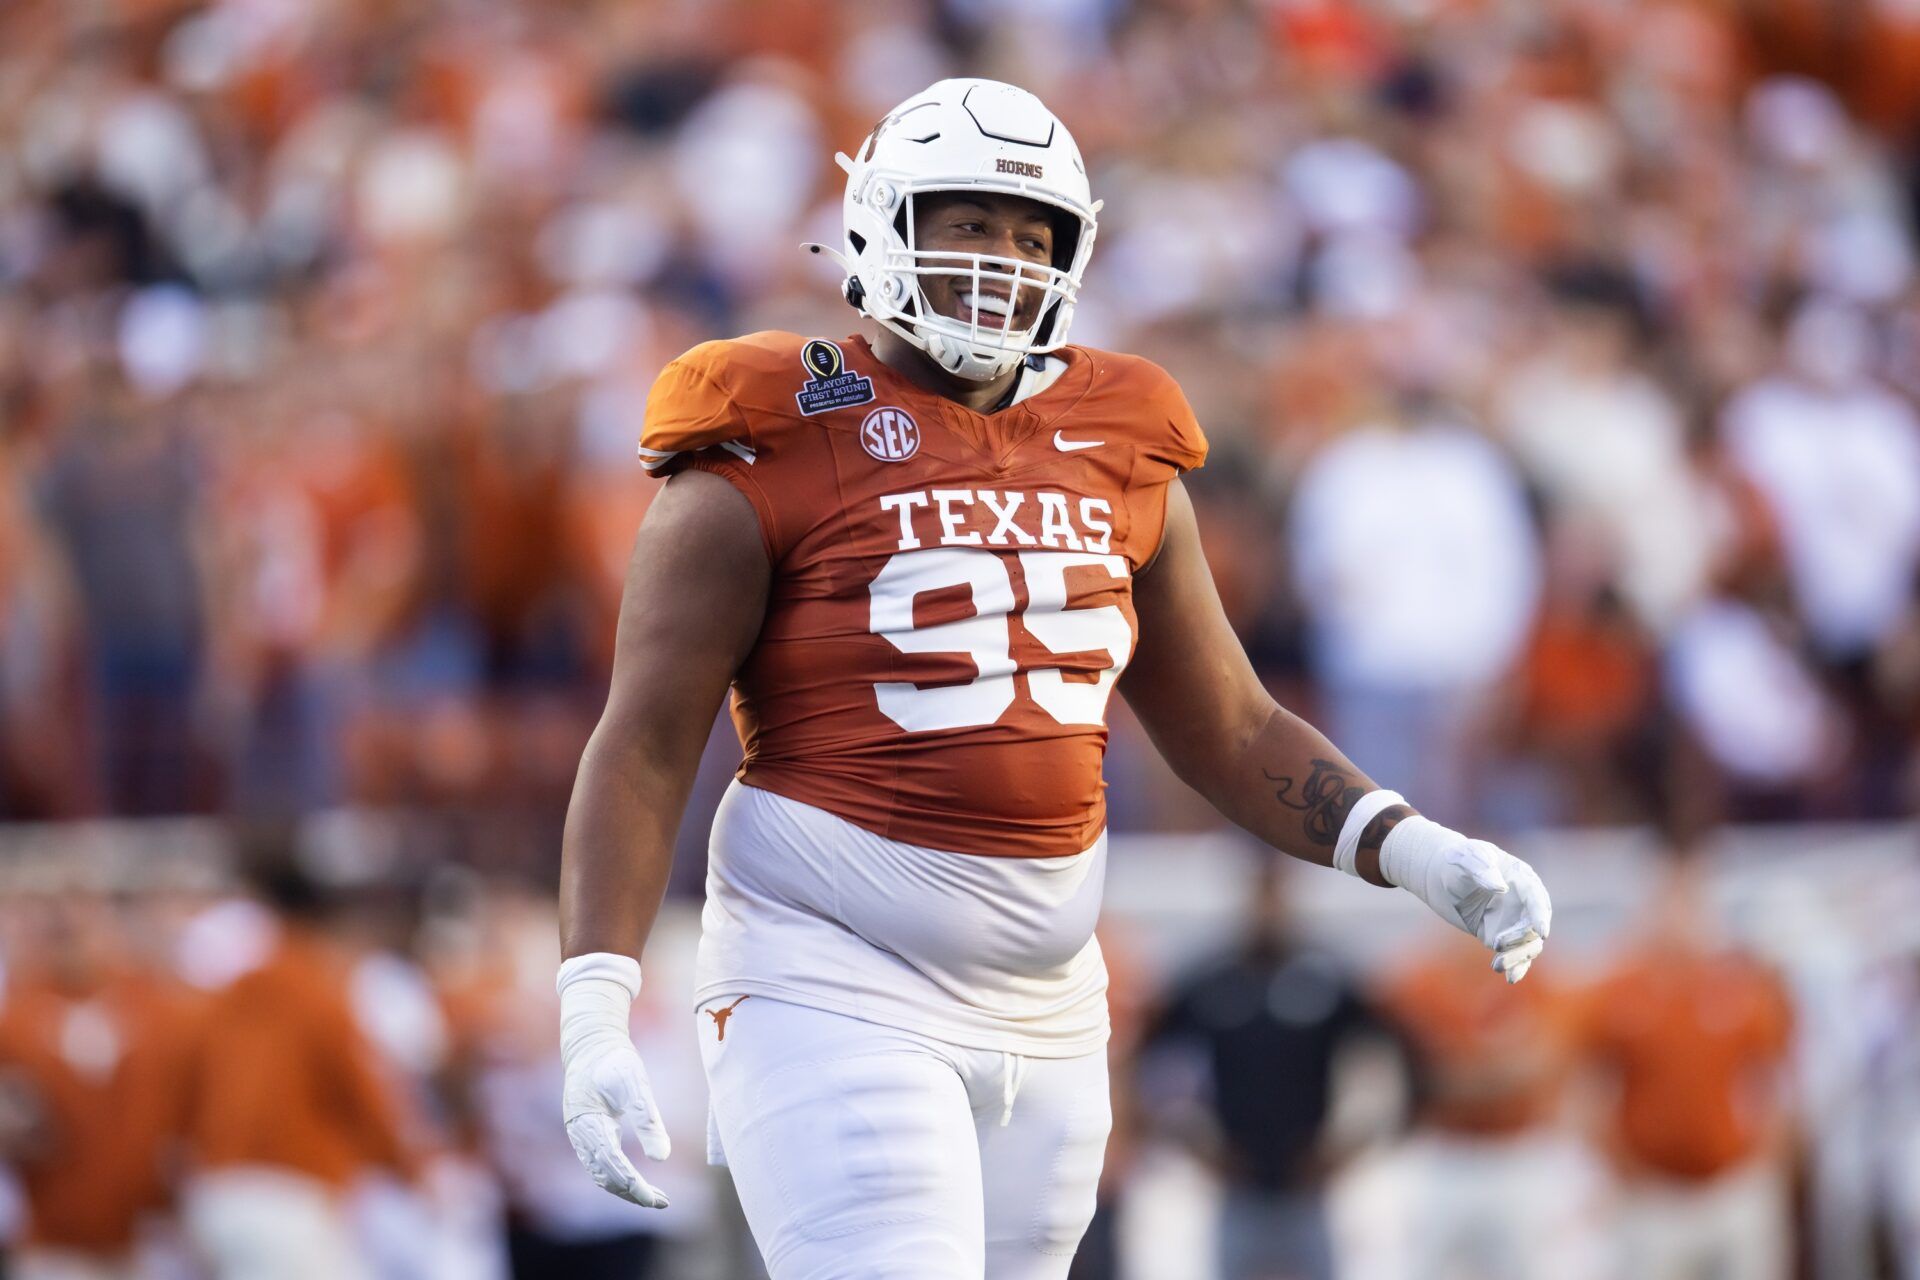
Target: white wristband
x: 1346, y: 850
x: 597, y: 991
x: 624, y: 970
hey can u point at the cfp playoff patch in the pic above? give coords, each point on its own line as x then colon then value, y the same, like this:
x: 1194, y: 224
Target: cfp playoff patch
x: 830, y: 384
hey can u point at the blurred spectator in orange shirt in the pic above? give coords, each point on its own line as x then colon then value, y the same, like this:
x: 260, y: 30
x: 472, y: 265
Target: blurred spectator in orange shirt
x: 91, y: 1050
x: 286, y: 1105
x: 1498, y: 1190
x: 1583, y: 697
x: 1694, y: 1035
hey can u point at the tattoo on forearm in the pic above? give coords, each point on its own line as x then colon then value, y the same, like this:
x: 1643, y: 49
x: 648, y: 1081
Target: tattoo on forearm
x: 1323, y: 800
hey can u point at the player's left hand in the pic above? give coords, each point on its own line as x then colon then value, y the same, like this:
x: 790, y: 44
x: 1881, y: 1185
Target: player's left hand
x: 1474, y: 886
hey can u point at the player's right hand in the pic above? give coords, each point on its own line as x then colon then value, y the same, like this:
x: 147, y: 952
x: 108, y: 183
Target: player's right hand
x: 606, y: 1083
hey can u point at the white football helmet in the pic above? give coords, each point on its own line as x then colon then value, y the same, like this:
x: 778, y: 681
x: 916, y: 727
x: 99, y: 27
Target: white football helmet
x: 964, y: 135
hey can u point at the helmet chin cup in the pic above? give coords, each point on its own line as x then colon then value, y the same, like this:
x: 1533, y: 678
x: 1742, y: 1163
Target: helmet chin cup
x: 964, y: 360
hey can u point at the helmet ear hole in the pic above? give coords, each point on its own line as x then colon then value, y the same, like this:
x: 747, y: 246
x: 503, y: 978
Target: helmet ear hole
x: 851, y: 289
x: 1066, y: 238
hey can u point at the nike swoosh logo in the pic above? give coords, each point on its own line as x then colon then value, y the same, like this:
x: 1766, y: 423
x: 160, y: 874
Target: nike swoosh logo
x: 1068, y: 446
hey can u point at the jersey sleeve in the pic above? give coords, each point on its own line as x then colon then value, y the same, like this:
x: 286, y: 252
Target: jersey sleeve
x: 1182, y: 445
x: 689, y: 409
x: 693, y: 422
x: 1169, y: 434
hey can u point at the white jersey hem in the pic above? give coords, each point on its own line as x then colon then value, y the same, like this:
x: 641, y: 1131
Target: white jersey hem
x: 945, y: 1032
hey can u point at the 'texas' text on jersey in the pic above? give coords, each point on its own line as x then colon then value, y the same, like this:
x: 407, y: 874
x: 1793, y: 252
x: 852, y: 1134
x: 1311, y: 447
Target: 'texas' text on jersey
x: 951, y: 599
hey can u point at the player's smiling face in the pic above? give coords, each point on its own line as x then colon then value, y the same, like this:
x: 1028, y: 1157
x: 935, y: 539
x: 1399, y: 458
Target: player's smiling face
x: 993, y: 225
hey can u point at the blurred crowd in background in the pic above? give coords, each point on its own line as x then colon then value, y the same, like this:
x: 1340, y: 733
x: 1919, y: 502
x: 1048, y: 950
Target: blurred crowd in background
x: 1558, y: 359
x: 270, y: 1055
x: 1560, y: 362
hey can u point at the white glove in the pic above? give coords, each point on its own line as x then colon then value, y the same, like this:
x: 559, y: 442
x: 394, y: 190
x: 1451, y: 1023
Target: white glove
x: 605, y: 1079
x: 1476, y: 887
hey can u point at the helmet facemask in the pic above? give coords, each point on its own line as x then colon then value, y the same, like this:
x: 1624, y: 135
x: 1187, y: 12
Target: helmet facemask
x: 966, y: 137
x: 985, y: 344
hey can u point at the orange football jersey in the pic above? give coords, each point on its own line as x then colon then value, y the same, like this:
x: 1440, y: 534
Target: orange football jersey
x: 283, y: 1078
x: 951, y: 599
x: 100, y: 1074
x: 1694, y: 1042
x: 1495, y: 1057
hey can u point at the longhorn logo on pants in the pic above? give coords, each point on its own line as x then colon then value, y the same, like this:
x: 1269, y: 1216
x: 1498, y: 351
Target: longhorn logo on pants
x: 720, y: 1016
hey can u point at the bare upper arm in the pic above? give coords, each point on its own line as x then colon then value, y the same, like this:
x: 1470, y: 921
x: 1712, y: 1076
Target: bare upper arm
x: 695, y: 594
x: 1189, y: 680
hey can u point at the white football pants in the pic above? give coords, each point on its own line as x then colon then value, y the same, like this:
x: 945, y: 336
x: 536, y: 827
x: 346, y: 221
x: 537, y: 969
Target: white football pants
x: 1735, y: 1227
x: 861, y: 1152
x: 251, y: 1223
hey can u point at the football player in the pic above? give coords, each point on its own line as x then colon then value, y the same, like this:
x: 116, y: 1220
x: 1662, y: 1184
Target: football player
x: 923, y: 562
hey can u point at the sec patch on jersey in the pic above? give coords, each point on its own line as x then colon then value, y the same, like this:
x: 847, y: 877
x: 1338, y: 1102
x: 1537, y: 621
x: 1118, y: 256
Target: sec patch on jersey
x: 890, y: 434
x: 830, y: 384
